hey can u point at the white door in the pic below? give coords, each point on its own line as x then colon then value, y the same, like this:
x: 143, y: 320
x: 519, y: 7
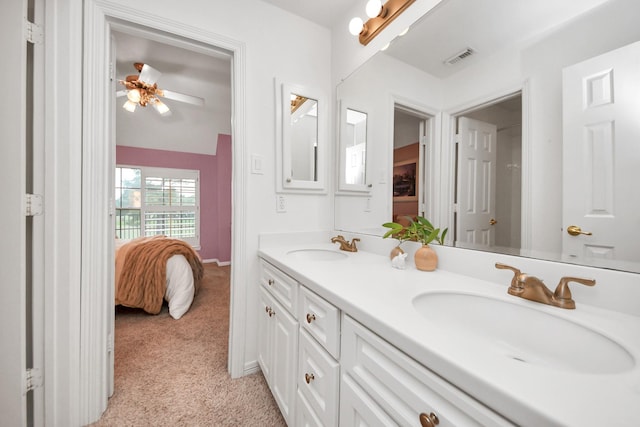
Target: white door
x: 476, y: 201
x: 601, y: 156
x: 13, y: 77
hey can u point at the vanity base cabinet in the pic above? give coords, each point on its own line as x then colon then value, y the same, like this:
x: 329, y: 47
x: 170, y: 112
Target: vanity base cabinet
x: 383, y: 386
x: 277, y: 352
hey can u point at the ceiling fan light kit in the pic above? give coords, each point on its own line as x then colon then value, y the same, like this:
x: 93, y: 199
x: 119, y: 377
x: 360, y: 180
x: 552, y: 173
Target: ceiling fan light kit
x: 143, y: 90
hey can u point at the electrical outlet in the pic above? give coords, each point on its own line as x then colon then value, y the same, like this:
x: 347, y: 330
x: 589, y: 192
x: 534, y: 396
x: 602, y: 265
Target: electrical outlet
x: 281, y: 203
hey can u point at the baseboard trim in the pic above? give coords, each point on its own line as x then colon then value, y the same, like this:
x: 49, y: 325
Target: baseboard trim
x: 220, y: 263
x: 251, y: 368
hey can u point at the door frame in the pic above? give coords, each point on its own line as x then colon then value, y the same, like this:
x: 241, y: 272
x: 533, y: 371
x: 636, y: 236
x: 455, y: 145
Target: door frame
x: 448, y: 152
x: 429, y: 167
x: 97, y: 159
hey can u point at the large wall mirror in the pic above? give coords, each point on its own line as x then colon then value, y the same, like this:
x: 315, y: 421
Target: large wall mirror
x: 301, y: 127
x: 553, y: 89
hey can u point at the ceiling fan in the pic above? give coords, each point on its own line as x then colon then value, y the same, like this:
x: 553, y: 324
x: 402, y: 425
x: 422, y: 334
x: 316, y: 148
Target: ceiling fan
x: 142, y: 89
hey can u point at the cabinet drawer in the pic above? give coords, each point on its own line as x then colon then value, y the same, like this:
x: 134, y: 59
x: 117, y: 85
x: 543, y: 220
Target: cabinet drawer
x: 318, y: 379
x: 321, y: 320
x: 403, y: 388
x: 282, y: 287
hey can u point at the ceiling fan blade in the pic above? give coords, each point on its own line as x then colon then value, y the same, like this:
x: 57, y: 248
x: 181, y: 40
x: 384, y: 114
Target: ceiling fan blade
x: 176, y: 96
x: 149, y: 74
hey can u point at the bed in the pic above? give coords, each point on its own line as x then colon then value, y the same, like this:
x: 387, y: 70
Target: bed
x: 151, y: 270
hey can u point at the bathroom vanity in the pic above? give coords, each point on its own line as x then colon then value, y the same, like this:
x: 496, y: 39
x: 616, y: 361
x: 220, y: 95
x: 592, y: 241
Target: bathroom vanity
x: 346, y: 339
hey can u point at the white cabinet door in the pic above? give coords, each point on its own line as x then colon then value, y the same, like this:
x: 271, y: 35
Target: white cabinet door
x: 265, y: 334
x: 283, y: 368
x: 318, y: 379
x: 277, y: 352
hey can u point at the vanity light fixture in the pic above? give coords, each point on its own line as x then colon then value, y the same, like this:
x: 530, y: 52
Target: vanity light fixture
x: 380, y: 15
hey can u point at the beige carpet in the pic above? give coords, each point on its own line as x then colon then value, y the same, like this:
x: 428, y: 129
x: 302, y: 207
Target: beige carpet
x: 174, y: 372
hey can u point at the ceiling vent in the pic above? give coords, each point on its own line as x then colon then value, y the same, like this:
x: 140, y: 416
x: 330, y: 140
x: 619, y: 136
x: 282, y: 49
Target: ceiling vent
x: 460, y: 56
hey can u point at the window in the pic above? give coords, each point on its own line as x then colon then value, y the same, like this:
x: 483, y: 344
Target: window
x: 152, y: 201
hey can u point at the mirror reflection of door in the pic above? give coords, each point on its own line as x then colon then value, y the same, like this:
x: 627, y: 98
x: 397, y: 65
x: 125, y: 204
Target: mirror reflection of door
x: 304, y: 138
x: 601, y: 155
x: 488, y: 178
x: 409, y: 129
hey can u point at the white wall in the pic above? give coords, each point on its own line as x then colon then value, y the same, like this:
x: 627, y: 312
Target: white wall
x: 277, y: 44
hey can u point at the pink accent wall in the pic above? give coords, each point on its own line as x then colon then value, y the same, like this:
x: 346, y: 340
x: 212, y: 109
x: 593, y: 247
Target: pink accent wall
x: 215, y: 189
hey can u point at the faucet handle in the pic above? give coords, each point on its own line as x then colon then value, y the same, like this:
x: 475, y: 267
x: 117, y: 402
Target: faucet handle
x: 515, y: 284
x: 562, y: 294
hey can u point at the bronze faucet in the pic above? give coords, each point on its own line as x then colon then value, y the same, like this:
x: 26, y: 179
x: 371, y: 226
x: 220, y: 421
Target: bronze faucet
x: 344, y: 245
x: 532, y: 288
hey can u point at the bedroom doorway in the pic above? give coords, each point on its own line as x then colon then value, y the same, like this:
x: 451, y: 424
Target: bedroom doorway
x: 192, y: 139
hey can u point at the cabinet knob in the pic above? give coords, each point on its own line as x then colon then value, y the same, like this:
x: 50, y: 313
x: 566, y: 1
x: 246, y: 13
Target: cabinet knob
x: 429, y: 420
x: 310, y: 317
x: 269, y: 311
x: 271, y: 282
x: 309, y: 377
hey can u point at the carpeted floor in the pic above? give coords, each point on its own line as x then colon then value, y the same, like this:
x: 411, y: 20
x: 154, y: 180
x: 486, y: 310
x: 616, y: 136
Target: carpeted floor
x: 174, y: 372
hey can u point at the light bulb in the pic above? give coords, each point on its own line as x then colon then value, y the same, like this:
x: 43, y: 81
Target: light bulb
x: 134, y: 95
x: 161, y: 107
x: 130, y: 106
x: 373, y: 8
x: 355, y: 26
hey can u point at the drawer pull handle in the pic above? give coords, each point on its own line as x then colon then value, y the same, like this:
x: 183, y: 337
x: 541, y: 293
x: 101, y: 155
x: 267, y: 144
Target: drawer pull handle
x: 271, y: 282
x: 310, y: 317
x: 309, y: 377
x: 269, y: 311
x: 429, y: 420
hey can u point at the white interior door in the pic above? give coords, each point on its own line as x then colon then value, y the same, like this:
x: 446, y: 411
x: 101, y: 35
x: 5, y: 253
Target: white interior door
x: 13, y: 77
x: 476, y: 201
x: 601, y: 155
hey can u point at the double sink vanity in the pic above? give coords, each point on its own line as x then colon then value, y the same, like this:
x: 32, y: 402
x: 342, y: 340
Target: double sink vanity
x: 346, y: 339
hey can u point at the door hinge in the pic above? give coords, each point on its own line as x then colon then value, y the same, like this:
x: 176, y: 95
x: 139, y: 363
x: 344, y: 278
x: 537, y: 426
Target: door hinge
x: 33, y: 204
x: 423, y: 140
x: 110, y: 343
x: 32, y: 379
x: 33, y: 33
x: 455, y: 207
x: 457, y: 138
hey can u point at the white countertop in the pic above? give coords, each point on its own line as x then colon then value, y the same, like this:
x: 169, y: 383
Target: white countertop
x: 366, y: 287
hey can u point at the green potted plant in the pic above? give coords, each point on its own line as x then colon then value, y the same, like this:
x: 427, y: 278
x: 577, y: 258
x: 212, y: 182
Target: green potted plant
x: 422, y: 231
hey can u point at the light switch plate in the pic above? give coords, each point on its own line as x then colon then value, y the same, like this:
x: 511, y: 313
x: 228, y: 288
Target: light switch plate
x: 256, y: 164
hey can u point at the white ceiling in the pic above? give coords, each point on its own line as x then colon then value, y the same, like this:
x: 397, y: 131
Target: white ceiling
x: 486, y: 26
x: 191, y: 70
x: 323, y: 12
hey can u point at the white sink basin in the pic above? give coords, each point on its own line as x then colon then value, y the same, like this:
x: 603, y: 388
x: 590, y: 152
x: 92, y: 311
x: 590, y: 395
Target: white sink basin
x: 317, y: 254
x: 524, y: 334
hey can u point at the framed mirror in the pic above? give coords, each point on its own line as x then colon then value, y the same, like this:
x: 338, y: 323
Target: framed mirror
x: 354, y: 131
x: 301, y: 132
x: 465, y: 55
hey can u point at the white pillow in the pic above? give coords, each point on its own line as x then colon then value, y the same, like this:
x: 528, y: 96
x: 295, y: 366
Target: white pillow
x: 180, y: 288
